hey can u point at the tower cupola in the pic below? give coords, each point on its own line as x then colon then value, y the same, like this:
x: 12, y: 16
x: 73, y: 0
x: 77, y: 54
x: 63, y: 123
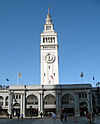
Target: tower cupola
x: 48, y: 19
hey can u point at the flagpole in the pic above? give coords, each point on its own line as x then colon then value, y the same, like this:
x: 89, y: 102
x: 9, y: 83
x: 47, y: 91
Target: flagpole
x: 17, y: 79
x: 94, y: 81
x: 19, y: 76
x: 5, y: 84
x: 81, y: 79
x: 6, y: 80
x: 81, y: 75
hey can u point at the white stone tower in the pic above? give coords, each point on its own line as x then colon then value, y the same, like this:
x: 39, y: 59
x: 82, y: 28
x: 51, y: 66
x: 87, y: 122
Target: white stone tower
x: 49, y: 54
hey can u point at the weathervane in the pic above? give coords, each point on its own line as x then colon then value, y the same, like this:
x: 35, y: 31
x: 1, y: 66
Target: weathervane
x: 48, y: 9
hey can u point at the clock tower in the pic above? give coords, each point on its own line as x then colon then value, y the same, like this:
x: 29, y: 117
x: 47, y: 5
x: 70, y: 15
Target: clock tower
x: 49, y: 54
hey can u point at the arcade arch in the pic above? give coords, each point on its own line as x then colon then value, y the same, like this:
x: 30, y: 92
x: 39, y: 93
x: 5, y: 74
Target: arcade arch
x: 83, y: 108
x: 67, y: 104
x: 49, y: 104
x: 16, y: 109
x: 32, y: 105
x: 49, y: 100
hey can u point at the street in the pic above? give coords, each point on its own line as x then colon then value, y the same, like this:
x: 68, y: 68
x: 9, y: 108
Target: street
x: 71, y: 120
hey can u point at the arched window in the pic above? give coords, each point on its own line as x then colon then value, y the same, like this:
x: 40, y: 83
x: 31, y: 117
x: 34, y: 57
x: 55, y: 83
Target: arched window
x: 50, y: 99
x: 7, y: 101
x: 32, y: 100
x: 1, y: 101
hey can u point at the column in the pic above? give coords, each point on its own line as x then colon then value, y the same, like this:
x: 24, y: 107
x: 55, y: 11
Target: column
x: 4, y: 101
x: 24, y: 105
x: 42, y: 106
x: 90, y: 96
x: 76, y: 105
x: 10, y: 103
x: 39, y: 103
x: 96, y: 104
x: 21, y: 104
x: 58, y: 104
x: 42, y: 99
x: 88, y: 101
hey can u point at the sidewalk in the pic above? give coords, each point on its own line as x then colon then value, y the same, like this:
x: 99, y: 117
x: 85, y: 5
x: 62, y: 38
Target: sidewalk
x: 96, y: 119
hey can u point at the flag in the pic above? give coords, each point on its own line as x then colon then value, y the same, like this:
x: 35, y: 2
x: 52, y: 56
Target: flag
x: 97, y: 84
x: 93, y: 78
x: 51, y: 76
x: 19, y: 75
x: 7, y: 79
x: 81, y: 75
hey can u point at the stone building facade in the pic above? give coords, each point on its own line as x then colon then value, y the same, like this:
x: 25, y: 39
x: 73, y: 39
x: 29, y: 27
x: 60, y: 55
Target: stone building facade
x: 31, y: 100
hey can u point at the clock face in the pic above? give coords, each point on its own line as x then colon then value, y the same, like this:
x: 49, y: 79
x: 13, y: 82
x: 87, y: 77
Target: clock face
x: 50, y: 58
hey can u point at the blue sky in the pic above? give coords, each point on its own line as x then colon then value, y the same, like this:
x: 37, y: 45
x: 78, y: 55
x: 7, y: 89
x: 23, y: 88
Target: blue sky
x: 77, y: 23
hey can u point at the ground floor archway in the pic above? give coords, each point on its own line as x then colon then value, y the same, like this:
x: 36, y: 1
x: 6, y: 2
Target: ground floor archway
x: 68, y: 111
x: 67, y: 104
x: 83, y: 109
x: 31, y: 112
x: 49, y: 111
x: 16, y: 109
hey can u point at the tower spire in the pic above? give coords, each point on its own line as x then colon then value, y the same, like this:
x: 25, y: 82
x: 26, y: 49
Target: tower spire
x: 48, y: 19
x: 48, y: 10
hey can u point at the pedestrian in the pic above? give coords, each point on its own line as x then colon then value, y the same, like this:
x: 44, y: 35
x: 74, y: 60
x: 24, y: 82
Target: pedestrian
x: 93, y: 116
x: 65, y: 117
x: 61, y: 116
x: 89, y: 117
x: 10, y: 116
x: 41, y: 114
x: 21, y: 115
x: 18, y: 115
x: 54, y: 115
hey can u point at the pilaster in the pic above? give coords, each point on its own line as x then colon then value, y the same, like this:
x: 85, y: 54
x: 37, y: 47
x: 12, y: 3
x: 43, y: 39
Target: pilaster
x: 10, y: 103
x: 24, y: 105
x: 39, y: 103
x: 21, y: 107
x: 42, y: 106
x: 58, y: 103
x: 4, y: 101
x: 88, y: 101
x: 77, y: 111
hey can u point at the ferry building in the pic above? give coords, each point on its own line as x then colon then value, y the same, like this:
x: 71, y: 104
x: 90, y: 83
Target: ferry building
x: 50, y: 96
